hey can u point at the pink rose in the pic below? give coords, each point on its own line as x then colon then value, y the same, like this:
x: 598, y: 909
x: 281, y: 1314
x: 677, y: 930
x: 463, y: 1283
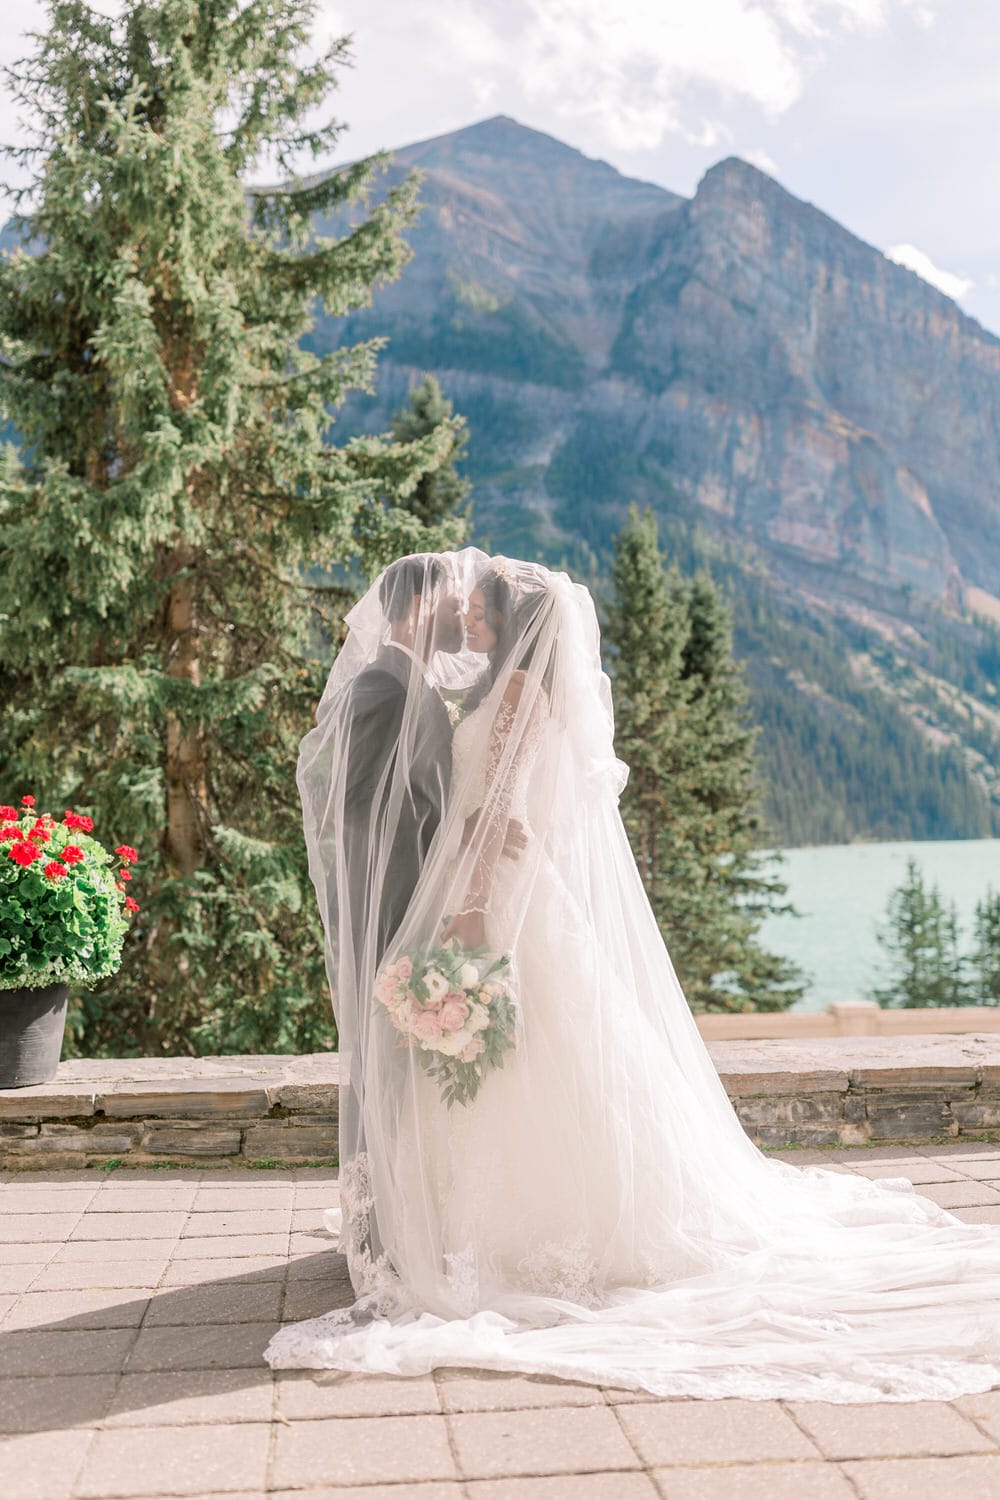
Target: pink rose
x: 404, y: 967
x: 472, y: 1050
x: 385, y: 988
x: 453, y: 1013
x: 427, y: 1026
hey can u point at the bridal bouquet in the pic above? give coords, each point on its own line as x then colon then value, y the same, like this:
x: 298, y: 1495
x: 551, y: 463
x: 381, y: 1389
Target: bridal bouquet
x: 456, y: 1008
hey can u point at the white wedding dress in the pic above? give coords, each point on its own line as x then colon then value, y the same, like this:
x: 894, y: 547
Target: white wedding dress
x: 597, y: 1211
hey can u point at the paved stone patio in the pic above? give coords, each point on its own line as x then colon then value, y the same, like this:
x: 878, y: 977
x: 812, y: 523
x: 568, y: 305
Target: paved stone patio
x: 134, y: 1306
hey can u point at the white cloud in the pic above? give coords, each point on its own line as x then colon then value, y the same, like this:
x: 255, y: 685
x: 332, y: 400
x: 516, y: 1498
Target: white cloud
x: 758, y: 157
x: 632, y: 68
x: 916, y: 260
x: 642, y: 70
x: 823, y: 17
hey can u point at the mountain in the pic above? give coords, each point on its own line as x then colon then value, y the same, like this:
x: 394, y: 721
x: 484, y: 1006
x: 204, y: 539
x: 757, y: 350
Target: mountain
x: 787, y: 378
x: 811, y: 420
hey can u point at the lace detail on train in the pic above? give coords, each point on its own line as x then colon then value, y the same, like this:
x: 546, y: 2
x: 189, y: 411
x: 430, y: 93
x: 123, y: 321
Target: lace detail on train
x: 462, y: 1275
x: 566, y: 1268
x: 372, y: 1276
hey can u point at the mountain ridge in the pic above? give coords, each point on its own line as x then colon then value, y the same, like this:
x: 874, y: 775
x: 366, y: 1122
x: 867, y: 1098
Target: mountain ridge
x: 734, y: 201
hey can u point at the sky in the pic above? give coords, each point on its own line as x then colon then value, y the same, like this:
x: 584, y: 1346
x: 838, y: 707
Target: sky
x: 885, y: 114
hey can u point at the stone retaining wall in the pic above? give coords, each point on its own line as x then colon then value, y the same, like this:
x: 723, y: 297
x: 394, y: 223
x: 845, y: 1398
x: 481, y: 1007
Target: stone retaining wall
x: 238, y: 1111
x: 210, y: 1111
x: 855, y: 1091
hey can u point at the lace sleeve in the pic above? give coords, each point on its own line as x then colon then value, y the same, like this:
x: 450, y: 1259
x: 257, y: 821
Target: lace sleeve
x: 512, y: 737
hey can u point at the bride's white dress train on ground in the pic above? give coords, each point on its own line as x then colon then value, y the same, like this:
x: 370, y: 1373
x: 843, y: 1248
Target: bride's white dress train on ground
x: 597, y: 1212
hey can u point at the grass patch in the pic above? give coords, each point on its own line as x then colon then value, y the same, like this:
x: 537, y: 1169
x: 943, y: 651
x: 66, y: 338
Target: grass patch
x: 272, y: 1164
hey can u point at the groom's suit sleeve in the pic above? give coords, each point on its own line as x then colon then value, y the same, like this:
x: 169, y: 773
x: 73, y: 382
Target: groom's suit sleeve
x: 379, y: 700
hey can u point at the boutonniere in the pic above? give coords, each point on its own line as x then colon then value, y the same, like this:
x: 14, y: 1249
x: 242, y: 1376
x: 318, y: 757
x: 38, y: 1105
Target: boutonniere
x: 454, y: 709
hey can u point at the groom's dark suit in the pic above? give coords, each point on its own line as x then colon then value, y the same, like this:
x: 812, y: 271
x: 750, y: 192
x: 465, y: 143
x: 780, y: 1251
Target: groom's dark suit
x: 378, y: 697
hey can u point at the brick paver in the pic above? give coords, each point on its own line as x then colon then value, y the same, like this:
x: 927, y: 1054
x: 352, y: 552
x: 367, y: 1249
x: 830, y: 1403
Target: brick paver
x: 135, y: 1305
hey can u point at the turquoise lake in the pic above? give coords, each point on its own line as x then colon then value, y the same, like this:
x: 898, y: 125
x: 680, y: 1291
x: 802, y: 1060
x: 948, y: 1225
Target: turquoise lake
x: 841, y: 892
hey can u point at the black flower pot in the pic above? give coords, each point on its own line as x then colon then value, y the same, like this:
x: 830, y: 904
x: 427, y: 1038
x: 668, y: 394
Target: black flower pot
x: 32, y: 1023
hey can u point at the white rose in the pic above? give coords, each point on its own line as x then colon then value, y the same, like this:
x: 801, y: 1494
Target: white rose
x: 468, y: 976
x: 478, y: 1018
x: 437, y: 985
x: 454, y: 1042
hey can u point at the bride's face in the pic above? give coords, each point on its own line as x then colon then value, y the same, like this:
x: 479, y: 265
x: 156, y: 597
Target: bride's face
x: 479, y: 634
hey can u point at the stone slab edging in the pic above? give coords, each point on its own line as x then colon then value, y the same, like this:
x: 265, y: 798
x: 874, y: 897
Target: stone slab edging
x: 238, y: 1111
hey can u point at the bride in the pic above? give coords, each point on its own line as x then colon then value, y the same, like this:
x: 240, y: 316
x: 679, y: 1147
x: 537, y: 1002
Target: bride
x: 584, y: 1203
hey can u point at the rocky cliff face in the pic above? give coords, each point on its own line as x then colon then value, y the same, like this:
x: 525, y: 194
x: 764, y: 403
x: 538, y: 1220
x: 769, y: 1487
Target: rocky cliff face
x: 831, y: 404
x: 739, y: 349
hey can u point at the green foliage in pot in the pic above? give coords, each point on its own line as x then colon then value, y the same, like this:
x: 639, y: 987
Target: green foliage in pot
x: 64, y: 906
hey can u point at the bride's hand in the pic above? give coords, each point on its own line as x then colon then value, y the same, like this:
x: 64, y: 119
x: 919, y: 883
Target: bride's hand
x: 468, y: 928
x: 515, y: 840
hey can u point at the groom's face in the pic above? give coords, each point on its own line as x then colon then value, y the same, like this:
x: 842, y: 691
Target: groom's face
x: 449, y: 623
x: 447, y: 630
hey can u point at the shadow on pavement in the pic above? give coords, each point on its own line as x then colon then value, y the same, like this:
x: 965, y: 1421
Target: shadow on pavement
x: 203, y: 1341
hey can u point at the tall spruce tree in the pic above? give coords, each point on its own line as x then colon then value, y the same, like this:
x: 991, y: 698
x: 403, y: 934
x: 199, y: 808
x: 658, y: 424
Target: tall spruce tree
x: 646, y: 632
x: 441, y: 490
x: 165, y: 637
x: 689, y: 804
x: 920, y: 940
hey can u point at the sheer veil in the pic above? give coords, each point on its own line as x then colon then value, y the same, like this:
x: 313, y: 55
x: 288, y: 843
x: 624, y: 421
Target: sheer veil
x: 595, y: 1209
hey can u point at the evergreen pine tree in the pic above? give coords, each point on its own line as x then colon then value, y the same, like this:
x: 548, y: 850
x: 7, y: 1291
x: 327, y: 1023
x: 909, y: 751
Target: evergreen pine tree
x: 646, y: 633
x: 441, y: 490
x: 178, y: 494
x: 688, y: 806
x: 920, y: 940
x: 736, y: 890
x: 984, y: 983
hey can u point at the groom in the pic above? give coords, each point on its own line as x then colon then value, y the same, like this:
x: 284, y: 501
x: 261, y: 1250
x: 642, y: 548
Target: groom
x: 423, y: 607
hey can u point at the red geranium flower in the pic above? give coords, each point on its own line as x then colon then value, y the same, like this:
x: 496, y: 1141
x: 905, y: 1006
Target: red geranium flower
x: 39, y: 835
x: 126, y: 854
x: 124, y: 874
x: 131, y: 905
x: 24, y: 853
x: 7, y: 814
x: 54, y: 870
x: 28, y: 801
x: 78, y: 820
x: 13, y: 832
x: 72, y: 854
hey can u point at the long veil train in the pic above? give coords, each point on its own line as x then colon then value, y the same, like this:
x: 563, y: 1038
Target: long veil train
x: 595, y: 1211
